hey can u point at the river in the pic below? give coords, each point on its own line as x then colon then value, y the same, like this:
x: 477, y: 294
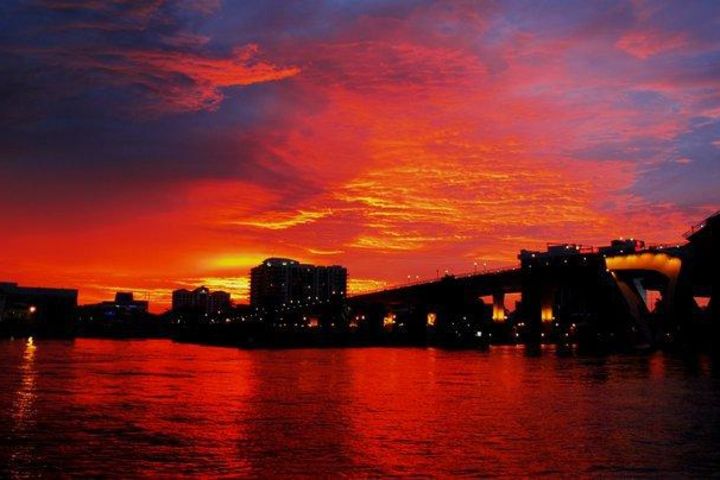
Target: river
x: 158, y: 409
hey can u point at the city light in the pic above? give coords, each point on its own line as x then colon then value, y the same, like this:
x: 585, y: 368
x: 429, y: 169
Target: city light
x: 359, y: 239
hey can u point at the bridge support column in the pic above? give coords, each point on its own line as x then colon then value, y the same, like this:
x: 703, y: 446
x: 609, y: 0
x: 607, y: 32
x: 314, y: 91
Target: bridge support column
x: 537, y: 302
x: 714, y: 307
x: 498, y: 310
x: 546, y: 305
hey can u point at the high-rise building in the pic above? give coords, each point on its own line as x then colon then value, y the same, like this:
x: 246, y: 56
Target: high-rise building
x: 218, y: 301
x: 279, y: 281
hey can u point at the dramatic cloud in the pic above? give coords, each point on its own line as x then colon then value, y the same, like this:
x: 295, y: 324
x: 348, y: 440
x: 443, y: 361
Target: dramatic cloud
x: 171, y: 81
x: 168, y: 143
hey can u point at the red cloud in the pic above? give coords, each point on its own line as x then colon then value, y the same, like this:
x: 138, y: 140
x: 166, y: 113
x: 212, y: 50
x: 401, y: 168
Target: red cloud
x: 416, y: 149
x: 644, y: 44
x: 174, y: 81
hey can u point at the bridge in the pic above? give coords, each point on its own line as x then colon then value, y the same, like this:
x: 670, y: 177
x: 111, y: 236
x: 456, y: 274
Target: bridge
x: 568, y: 293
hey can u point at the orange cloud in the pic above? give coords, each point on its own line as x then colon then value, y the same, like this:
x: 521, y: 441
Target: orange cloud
x: 398, y: 149
x: 283, y: 220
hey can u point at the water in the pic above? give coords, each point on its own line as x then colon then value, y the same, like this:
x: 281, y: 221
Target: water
x: 155, y: 409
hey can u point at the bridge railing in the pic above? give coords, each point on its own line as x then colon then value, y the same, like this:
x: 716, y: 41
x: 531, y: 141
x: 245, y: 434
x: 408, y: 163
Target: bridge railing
x: 427, y: 281
x: 662, y: 246
x: 488, y: 271
x: 699, y: 226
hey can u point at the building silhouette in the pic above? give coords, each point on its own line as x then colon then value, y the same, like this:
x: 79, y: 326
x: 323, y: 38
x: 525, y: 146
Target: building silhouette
x: 27, y: 311
x: 201, y: 299
x: 282, y: 281
x: 126, y: 301
x: 122, y: 317
x: 123, y: 304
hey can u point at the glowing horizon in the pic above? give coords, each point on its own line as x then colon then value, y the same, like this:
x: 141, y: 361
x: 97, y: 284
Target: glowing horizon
x: 159, y: 145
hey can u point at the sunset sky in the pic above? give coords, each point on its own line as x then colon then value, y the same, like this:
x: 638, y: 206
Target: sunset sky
x: 153, y: 145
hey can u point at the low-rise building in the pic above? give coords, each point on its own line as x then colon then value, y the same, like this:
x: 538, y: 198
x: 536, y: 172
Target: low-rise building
x: 201, y: 299
x: 36, y: 311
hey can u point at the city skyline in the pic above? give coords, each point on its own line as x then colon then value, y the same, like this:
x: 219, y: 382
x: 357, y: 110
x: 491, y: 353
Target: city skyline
x: 175, y: 144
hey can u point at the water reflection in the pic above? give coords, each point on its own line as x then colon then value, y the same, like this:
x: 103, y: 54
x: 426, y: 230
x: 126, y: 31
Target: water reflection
x: 23, y: 414
x: 25, y: 395
x: 162, y: 410
x: 300, y: 414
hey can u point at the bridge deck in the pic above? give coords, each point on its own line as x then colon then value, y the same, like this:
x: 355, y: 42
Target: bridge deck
x: 499, y: 275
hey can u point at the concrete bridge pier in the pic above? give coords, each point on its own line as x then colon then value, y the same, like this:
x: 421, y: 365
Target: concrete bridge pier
x: 680, y: 311
x: 537, y: 308
x: 714, y: 309
x: 498, y: 307
x: 417, y: 324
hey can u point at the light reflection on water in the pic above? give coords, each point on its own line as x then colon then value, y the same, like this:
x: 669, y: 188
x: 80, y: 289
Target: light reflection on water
x: 25, y: 395
x: 157, y: 409
x: 23, y: 418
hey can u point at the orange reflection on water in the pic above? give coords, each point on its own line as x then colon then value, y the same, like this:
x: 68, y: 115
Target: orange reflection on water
x: 25, y: 395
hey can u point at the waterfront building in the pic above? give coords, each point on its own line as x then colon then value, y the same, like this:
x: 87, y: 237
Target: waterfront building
x: 282, y: 281
x: 123, y: 316
x: 201, y: 299
x: 28, y: 311
x: 126, y: 301
x: 218, y: 301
